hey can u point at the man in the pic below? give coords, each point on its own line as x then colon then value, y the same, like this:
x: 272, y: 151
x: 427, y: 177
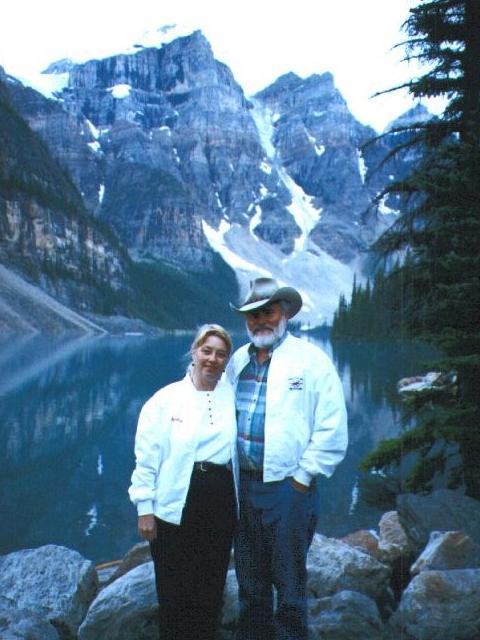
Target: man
x: 292, y: 426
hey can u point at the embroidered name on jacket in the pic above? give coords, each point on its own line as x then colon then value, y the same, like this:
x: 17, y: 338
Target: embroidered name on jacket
x: 295, y: 384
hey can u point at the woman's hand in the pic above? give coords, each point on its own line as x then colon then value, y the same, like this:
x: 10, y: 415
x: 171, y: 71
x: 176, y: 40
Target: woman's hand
x: 147, y: 527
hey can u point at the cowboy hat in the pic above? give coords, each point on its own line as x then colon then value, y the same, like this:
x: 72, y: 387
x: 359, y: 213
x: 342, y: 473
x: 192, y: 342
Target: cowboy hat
x: 264, y: 291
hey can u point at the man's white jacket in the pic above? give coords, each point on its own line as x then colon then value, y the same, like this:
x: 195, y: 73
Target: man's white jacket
x: 305, y: 417
x: 165, y: 446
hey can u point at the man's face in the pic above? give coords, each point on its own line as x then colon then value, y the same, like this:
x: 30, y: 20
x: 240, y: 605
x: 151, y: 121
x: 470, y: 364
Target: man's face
x: 266, y: 325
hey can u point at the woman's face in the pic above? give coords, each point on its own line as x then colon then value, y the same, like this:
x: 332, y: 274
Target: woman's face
x: 210, y: 359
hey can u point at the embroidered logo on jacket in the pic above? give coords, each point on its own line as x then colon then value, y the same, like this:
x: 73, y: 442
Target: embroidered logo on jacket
x: 295, y: 383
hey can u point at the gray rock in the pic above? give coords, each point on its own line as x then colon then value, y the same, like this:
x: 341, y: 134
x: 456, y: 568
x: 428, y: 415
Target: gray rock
x: 440, y: 605
x: 56, y: 583
x: 230, y: 612
x: 443, y: 510
x: 391, y: 531
x: 344, y: 616
x: 364, y: 540
x: 127, y: 609
x: 393, y: 544
x: 21, y: 624
x: 335, y: 566
x: 450, y: 550
x: 432, y: 383
x: 137, y: 555
x: 395, y: 551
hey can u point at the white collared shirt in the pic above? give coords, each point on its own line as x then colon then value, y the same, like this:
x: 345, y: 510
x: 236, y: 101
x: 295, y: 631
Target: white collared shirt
x: 213, y: 443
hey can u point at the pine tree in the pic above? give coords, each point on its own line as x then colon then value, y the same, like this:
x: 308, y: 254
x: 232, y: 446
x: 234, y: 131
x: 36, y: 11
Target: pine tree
x: 438, y: 284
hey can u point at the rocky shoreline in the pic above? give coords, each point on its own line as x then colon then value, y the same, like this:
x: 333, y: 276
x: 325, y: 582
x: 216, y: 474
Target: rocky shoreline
x: 416, y: 578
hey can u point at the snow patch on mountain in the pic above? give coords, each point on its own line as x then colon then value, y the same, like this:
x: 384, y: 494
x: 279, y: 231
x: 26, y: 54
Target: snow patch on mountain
x: 94, y: 146
x: 386, y: 210
x: 48, y: 84
x: 54, y: 79
x: 255, y: 220
x: 302, y: 209
x: 317, y: 276
x: 265, y: 167
x: 362, y: 167
x: 120, y: 91
x: 93, y: 129
x: 264, y: 119
x: 319, y: 148
x: 217, y: 241
x: 306, y: 215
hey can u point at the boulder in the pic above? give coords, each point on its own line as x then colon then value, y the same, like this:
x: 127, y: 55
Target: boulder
x: 21, y: 624
x: 450, y: 550
x: 442, y: 510
x: 393, y: 544
x: 365, y: 541
x: 440, y: 605
x: 105, y: 571
x: 126, y: 609
x: 335, y: 566
x: 395, y: 551
x: 230, y: 610
x: 137, y: 555
x: 344, y: 616
x: 56, y: 583
x: 432, y: 383
x: 392, y: 532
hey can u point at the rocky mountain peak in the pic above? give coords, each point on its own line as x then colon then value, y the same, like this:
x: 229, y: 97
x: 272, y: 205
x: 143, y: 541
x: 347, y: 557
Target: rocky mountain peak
x: 417, y: 114
x: 65, y: 65
x: 166, y: 149
x: 315, y: 95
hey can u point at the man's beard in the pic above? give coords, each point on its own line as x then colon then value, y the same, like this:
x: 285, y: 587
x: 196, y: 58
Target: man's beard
x: 267, y: 340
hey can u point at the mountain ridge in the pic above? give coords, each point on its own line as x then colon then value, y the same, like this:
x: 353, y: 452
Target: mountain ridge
x: 165, y: 148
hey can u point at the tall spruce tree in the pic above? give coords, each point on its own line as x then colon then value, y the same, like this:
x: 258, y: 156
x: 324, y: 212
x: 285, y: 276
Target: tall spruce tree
x: 441, y: 230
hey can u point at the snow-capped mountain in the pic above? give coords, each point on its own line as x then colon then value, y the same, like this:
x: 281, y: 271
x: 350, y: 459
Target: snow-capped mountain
x: 164, y: 147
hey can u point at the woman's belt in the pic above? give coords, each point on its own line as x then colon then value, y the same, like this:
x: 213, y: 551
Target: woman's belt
x: 211, y: 467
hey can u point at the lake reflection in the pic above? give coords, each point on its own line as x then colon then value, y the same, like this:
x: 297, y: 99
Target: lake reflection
x: 68, y: 416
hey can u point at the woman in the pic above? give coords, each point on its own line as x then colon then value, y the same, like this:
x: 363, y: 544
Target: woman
x: 185, y: 491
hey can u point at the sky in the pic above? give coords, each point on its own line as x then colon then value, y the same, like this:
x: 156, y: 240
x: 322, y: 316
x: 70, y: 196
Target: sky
x: 258, y: 39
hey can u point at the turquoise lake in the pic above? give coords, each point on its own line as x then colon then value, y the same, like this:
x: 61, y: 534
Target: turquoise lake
x: 68, y: 412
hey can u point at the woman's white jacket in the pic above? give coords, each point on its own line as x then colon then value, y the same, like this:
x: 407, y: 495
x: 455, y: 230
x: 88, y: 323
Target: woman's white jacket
x: 166, y: 443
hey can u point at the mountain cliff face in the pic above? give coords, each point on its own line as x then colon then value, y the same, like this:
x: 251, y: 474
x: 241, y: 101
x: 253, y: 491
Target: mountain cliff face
x: 319, y: 143
x: 45, y: 230
x: 165, y: 148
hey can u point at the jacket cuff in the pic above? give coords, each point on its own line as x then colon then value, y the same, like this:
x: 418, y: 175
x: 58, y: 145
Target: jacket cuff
x: 302, y: 476
x: 145, y: 507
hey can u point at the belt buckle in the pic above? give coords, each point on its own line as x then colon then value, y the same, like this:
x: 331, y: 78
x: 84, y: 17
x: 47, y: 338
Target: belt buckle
x: 202, y: 468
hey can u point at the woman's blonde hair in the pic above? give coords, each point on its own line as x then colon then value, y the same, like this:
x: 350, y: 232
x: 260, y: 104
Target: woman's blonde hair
x: 207, y: 330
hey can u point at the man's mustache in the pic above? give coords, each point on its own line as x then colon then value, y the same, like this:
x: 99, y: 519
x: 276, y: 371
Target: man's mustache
x: 261, y: 327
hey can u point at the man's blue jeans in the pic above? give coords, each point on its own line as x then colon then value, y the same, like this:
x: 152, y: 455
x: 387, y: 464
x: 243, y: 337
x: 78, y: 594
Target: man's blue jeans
x: 276, y: 527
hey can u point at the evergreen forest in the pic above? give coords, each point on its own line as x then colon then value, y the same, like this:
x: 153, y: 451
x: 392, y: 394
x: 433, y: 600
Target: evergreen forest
x: 426, y: 285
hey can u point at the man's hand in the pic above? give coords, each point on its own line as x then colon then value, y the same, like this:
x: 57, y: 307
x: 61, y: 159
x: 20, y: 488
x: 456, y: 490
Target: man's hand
x: 298, y: 486
x: 147, y: 527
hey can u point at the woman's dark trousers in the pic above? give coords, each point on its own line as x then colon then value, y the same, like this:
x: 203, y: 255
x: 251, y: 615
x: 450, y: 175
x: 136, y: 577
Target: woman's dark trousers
x: 191, y: 560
